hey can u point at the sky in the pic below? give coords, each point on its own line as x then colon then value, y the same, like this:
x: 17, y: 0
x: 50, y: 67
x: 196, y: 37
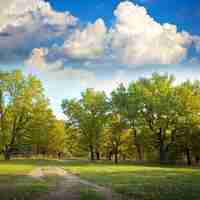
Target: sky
x: 73, y: 45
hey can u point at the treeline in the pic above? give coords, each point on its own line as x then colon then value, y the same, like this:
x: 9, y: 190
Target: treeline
x: 151, y: 119
x: 27, y: 123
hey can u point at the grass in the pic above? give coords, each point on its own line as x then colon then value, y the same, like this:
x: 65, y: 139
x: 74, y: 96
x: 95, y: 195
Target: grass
x: 142, y: 182
x: 130, y: 181
x: 16, y: 185
x: 91, y: 194
x: 25, y: 188
x: 23, y: 166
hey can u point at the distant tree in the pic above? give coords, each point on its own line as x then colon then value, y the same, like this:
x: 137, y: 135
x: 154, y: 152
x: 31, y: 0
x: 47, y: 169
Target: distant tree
x: 117, y: 133
x: 89, y: 115
x: 188, y: 125
x: 153, y: 117
x: 74, y: 144
x: 57, y: 138
x: 118, y: 124
x: 159, y: 111
x: 128, y: 103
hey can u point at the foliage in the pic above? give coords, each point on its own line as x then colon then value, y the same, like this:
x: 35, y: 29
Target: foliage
x: 153, y: 118
x: 26, y: 120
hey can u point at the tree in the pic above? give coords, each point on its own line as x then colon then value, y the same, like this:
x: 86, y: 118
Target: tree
x: 160, y: 107
x: 20, y: 95
x: 188, y: 130
x: 74, y: 144
x: 117, y: 133
x: 128, y: 104
x: 57, y: 138
x: 117, y: 122
x: 89, y: 115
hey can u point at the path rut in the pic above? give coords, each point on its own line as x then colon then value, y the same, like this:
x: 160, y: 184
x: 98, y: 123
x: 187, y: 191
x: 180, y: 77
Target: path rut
x: 70, y: 185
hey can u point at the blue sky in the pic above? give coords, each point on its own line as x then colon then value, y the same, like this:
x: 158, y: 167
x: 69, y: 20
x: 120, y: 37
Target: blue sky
x: 185, y: 13
x: 71, y: 45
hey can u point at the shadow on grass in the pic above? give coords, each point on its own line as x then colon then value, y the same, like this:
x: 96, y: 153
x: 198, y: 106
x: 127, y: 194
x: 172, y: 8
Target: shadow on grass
x: 146, y: 181
x: 20, y: 187
x: 143, y: 182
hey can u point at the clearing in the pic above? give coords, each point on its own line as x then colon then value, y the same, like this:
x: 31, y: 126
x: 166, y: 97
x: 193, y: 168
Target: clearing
x: 74, y: 180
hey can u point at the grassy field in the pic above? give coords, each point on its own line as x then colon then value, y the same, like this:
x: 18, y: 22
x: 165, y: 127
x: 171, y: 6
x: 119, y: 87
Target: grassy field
x: 16, y: 185
x: 143, y: 182
x: 131, y: 182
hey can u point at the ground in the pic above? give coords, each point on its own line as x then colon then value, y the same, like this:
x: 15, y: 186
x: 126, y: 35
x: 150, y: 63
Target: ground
x: 32, y: 179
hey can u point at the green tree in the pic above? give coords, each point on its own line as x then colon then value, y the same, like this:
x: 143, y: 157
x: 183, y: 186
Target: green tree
x: 188, y: 126
x: 57, y: 138
x: 19, y: 97
x: 89, y: 115
x: 159, y: 111
x: 128, y: 104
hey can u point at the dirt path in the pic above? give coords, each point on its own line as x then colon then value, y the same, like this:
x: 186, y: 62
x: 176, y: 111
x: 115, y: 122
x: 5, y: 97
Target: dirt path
x: 70, y: 186
x: 37, y: 173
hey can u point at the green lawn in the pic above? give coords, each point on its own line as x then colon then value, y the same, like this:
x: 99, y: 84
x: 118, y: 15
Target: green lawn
x: 143, y: 182
x: 16, y: 185
x: 132, y: 182
x: 87, y: 194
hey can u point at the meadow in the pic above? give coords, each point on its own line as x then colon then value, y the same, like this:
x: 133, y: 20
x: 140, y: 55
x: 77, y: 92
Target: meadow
x: 128, y: 181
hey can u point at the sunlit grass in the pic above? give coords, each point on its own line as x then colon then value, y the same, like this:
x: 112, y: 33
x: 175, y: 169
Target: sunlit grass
x: 15, y: 184
x: 16, y: 167
x: 143, y: 181
x: 131, y: 181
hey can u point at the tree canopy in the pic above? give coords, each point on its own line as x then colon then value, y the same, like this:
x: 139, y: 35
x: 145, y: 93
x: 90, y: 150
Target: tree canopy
x: 151, y: 119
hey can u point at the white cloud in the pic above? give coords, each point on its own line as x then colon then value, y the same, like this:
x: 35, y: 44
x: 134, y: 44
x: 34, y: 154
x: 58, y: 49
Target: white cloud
x: 89, y: 43
x: 19, y: 12
x: 37, y: 62
x: 57, y: 73
x: 139, y: 39
x: 37, y: 59
x: 135, y: 39
x: 28, y: 24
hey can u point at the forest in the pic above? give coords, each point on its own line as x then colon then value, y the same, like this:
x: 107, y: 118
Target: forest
x: 154, y: 119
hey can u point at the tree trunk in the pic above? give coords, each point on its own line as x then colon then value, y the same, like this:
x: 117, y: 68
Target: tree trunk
x: 110, y: 155
x: 124, y: 157
x: 116, y: 156
x: 97, y: 155
x: 137, y: 144
x: 91, y: 153
x: 162, y: 153
x: 139, y: 151
x: 7, y: 153
x: 163, y: 149
x: 189, y: 162
x: 197, y: 159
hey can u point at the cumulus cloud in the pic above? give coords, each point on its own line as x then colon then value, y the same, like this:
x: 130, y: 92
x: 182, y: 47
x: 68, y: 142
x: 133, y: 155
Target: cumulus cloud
x: 28, y: 24
x: 135, y: 38
x: 19, y: 12
x: 56, y: 73
x: 139, y: 39
x: 37, y: 59
x: 89, y: 43
x: 38, y: 62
